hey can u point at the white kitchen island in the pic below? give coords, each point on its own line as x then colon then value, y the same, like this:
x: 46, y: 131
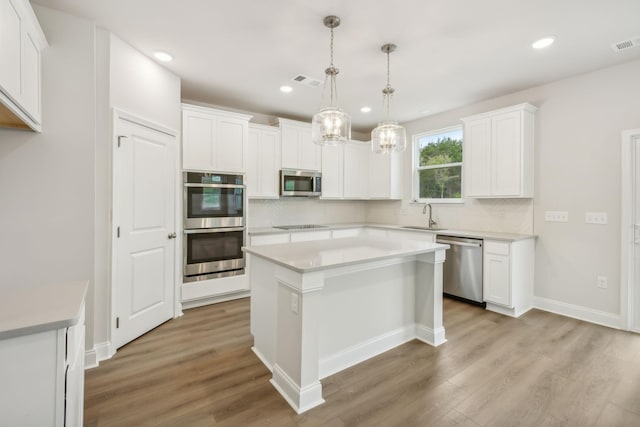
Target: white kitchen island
x: 320, y: 307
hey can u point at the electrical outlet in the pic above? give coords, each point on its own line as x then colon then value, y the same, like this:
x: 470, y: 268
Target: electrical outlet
x: 294, y: 302
x: 602, y: 282
x: 595, y: 218
x: 556, y: 216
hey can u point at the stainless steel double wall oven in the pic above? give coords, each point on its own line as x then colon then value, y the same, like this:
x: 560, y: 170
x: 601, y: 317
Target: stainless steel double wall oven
x: 214, y: 225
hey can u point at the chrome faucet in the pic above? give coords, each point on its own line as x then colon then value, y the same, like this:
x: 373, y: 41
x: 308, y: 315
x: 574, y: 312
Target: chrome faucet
x: 424, y: 211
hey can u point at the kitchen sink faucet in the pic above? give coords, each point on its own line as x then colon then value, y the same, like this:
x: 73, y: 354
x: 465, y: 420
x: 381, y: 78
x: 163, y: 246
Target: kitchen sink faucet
x: 424, y: 211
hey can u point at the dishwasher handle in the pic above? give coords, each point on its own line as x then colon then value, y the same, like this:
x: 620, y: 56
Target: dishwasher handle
x: 459, y: 243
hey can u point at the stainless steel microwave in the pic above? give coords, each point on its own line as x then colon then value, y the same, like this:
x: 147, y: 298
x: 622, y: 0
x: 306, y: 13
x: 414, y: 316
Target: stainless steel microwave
x: 300, y: 183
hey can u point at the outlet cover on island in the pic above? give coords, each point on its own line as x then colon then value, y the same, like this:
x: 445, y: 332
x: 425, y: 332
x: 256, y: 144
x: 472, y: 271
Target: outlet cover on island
x: 556, y: 216
x: 602, y: 282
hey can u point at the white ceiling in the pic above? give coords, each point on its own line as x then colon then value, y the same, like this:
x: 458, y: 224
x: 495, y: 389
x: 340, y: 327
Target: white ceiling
x: 237, y: 53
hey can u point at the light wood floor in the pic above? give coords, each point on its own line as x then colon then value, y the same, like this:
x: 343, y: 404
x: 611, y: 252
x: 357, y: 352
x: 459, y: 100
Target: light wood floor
x: 538, y: 370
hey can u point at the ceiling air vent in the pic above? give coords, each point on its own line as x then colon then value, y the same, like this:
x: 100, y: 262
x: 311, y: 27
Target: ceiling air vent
x: 626, y: 44
x: 307, y: 81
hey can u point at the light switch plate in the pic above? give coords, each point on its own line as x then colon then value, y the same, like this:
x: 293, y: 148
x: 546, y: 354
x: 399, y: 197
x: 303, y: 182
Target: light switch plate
x: 595, y: 218
x: 556, y: 216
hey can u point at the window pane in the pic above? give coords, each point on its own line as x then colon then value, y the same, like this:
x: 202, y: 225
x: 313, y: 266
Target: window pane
x: 441, y: 183
x: 441, y: 148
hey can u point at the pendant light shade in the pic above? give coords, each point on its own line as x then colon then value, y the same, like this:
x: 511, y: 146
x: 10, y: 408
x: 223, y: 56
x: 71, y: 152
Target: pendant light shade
x: 331, y: 125
x: 388, y: 136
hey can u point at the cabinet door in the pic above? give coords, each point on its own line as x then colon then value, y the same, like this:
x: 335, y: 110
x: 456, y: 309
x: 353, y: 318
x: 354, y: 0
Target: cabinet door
x: 231, y: 145
x: 309, y: 154
x: 356, y: 160
x: 289, y: 136
x: 506, y: 156
x: 262, y: 159
x: 477, y: 151
x: 10, y: 44
x: 497, y: 283
x: 198, y: 148
x: 332, y: 172
x: 379, y: 176
x: 31, y: 77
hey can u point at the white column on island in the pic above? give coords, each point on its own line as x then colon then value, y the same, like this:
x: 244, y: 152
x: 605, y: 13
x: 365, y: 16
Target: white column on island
x: 296, y: 368
x: 428, y: 301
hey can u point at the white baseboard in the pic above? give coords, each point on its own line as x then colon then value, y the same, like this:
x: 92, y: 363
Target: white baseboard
x: 187, y: 304
x: 101, y: 351
x: 262, y: 358
x: 300, y: 399
x: 430, y: 336
x: 577, y: 312
x: 365, y: 350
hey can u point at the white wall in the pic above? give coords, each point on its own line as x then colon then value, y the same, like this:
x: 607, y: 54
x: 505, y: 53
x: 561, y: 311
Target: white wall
x: 47, y: 180
x: 577, y: 169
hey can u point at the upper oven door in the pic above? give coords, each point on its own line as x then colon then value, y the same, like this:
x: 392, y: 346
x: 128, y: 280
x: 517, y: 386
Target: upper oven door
x: 216, y: 201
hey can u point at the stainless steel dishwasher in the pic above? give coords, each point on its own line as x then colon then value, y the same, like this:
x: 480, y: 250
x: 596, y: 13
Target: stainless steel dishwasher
x: 462, y: 271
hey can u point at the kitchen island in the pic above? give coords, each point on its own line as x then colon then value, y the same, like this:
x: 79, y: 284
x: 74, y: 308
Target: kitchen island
x: 322, y: 306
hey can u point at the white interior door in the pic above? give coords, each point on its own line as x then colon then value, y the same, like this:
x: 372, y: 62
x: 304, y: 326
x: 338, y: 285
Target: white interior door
x: 144, y: 223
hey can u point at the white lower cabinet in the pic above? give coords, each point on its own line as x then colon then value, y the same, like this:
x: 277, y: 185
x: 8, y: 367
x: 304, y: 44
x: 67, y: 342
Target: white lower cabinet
x: 508, y: 276
x: 42, y: 378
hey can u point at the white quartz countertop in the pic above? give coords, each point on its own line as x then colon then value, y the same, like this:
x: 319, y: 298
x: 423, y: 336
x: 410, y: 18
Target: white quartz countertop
x: 30, y: 310
x: 478, y: 234
x: 319, y: 255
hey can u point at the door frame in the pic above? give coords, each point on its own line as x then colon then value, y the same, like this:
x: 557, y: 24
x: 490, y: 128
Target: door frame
x: 118, y: 114
x: 628, y: 279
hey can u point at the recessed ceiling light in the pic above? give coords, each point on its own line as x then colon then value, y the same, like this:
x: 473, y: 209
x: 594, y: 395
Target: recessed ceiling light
x: 286, y: 89
x: 543, y: 42
x: 163, y: 56
x: 366, y: 109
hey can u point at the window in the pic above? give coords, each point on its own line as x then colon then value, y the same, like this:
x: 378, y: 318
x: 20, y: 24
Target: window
x: 438, y: 165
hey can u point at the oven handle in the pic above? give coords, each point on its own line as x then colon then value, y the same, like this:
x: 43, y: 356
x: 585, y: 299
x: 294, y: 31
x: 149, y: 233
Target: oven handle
x: 214, y: 185
x: 213, y: 230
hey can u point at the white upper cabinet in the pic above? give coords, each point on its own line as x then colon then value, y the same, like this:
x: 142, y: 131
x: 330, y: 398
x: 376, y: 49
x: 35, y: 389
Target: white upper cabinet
x: 214, y: 140
x: 498, y: 148
x: 21, y: 40
x: 385, y: 176
x: 345, y: 171
x: 356, y: 170
x: 298, y: 151
x: 263, y: 162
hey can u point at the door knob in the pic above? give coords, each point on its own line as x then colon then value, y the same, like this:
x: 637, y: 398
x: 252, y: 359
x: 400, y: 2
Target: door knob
x: 172, y: 235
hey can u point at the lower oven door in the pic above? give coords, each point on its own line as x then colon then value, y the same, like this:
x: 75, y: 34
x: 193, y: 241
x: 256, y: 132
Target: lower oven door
x: 213, y: 252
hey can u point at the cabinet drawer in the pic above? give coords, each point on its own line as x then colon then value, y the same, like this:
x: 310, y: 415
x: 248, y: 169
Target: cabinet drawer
x: 307, y: 236
x: 352, y: 232
x: 270, y: 239
x: 498, y: 248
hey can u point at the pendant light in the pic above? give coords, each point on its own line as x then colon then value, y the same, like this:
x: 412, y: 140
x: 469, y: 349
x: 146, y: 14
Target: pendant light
x: 331, y: 125
x: 388, y: 136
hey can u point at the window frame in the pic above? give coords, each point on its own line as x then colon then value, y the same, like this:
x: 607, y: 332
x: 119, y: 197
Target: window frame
x: 417, y: 168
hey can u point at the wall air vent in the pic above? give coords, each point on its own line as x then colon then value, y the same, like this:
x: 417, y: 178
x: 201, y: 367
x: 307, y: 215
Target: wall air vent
x: 307, y: 81
x: 626, y: 44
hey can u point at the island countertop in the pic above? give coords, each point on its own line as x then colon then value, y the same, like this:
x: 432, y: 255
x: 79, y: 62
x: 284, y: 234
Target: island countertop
x: 30, y: 310
x: 317, y: 255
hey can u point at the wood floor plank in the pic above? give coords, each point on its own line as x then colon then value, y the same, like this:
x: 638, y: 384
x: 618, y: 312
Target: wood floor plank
x: 540, y: 370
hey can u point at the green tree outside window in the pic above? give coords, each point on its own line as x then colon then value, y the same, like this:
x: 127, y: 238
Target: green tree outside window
x: 439, y: 164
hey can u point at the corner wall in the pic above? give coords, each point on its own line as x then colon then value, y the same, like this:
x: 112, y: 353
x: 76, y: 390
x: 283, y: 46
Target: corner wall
x: 47, y: 179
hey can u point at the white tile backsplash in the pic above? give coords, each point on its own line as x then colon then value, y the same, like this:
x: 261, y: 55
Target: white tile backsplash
x: 302, y: 210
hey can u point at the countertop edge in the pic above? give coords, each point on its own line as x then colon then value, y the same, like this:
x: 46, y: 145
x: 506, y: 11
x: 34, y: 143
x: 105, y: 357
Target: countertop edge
x: 492, y: 235
x: 68, y: 316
